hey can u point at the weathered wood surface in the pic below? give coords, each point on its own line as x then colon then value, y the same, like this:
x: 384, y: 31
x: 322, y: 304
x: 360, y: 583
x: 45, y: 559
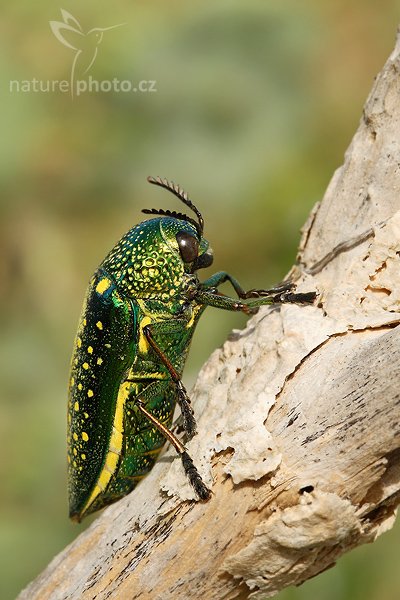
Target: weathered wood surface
x: 299, y: 418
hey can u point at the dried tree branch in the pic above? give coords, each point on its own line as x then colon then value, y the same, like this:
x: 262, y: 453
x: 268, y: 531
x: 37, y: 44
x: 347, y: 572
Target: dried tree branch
x: 299, y: 432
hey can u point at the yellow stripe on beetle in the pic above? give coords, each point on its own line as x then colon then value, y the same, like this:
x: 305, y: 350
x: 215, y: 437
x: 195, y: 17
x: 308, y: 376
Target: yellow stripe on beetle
x: 114, y: 448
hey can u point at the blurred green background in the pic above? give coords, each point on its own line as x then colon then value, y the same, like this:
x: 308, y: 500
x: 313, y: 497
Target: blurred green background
x: 255, y: 105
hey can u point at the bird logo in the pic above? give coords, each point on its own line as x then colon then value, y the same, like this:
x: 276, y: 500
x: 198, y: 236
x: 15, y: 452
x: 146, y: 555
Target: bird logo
x: 85, y: 45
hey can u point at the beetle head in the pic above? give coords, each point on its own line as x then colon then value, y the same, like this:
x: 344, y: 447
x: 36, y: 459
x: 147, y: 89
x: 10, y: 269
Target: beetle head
x: 152, y: 258
x: 192, y: 246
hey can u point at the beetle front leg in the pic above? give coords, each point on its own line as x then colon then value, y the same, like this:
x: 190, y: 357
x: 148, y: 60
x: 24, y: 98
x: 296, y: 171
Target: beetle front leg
x: 222, y: 276
x: 189, y: 422
x: 211, y: 297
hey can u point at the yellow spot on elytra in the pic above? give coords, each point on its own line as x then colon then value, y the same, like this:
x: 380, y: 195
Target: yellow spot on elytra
x: 74, y: 463
x: 90, y: 349
x: 85, y: 415
x: 76, y: 406
x: 84, y: 322
x: 99, y: 361
x: 75, y: 451
x: 79, y: 342
x: 75, y: 436
x: 90, y: 393
x: 85, y: 366
x: 83, y: 456
x: 99, y: 325
x: 85, y: 436
x: 68, y: 459
x: 103, y: 285
x: 72, y: 381
x: 79, y: 386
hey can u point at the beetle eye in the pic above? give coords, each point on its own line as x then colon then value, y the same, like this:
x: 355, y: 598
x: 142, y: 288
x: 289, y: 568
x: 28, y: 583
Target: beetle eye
x: 188, y: 246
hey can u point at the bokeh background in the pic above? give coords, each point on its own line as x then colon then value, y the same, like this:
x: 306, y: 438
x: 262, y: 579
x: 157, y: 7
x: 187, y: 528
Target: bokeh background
x: 255, y: 105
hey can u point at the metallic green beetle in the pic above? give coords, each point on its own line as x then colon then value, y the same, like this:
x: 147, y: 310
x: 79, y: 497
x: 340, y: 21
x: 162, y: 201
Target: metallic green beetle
x: 138, y: 318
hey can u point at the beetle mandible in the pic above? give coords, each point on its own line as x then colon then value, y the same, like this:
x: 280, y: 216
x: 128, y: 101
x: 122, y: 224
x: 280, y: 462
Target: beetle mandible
x: 138, y: 318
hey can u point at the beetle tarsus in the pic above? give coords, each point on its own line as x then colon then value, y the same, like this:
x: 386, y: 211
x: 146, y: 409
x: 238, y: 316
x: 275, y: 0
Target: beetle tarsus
x: 300, y: 298
x: 195, y: 478
x: 189, y: 422
x: 280, y: 288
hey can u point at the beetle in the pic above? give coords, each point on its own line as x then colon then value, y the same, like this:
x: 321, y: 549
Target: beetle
x: 141, y: 308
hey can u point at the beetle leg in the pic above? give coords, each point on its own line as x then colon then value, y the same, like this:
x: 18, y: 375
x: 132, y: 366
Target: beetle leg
x: 221, y: 277
x: 189, y: 422
x: 192, y: 473
x: 211, y: 297
x: 281, y: 298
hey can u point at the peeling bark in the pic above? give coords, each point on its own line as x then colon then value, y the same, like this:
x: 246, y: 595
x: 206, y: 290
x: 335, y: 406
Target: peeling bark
x: 299, y: 428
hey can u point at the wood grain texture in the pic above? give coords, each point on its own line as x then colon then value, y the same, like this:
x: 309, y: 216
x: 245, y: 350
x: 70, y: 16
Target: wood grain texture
x: 299, y: 427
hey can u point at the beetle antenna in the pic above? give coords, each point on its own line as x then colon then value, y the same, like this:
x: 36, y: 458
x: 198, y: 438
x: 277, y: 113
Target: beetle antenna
x: 170, y: 213
x: 182, y: 195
